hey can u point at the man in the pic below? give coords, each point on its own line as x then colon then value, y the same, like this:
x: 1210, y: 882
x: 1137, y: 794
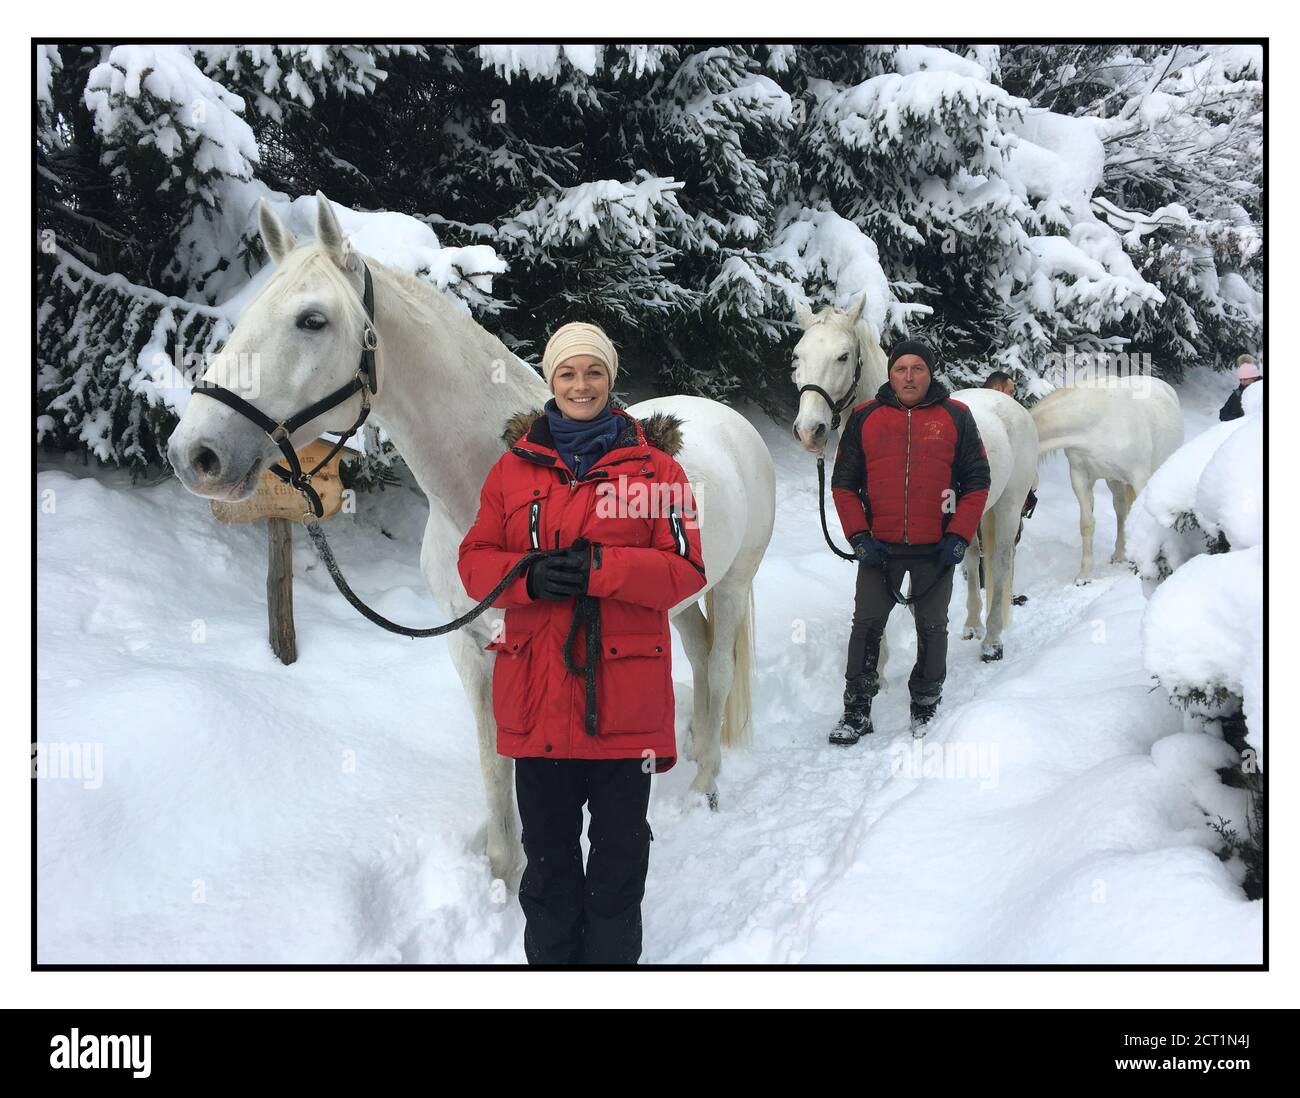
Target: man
x: 909, y: 484
x: 1248, y: 372
x: 1002, y: 382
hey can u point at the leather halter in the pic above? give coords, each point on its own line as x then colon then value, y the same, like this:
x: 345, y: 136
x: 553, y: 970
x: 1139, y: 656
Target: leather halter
x: 837, y: 406
x: 365, y: 381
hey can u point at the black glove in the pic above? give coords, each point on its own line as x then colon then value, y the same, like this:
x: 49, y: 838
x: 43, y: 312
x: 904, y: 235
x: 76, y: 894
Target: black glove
x: 952, y: 550
x: 560, y: 575
x: 868, y: 550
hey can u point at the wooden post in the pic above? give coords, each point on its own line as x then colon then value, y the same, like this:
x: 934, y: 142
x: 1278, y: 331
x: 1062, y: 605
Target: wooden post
x: 279, y: 589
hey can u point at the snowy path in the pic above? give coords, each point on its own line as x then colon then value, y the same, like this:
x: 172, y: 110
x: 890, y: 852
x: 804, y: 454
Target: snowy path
x: 229, y: 828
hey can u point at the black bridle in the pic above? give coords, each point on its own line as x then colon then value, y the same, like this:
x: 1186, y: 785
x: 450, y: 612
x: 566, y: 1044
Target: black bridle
x: 837, y: 406
x: 365, y: 381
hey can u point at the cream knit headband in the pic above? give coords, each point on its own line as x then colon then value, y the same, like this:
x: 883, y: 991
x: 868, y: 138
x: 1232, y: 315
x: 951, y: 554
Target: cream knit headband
x: 579, y: 339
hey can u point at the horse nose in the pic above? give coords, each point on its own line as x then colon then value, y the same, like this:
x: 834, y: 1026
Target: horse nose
x: 206, y: 461
x: 200, y: 461
x: 820, y: 433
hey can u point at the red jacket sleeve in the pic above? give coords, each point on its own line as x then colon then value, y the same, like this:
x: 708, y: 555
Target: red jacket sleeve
x: 849, y: 477
x: 972, y: 469
x: 483, y: 559
x: 667, y: 571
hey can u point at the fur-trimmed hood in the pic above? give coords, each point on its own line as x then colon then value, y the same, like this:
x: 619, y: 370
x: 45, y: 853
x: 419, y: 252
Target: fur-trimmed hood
x: 662, y: 430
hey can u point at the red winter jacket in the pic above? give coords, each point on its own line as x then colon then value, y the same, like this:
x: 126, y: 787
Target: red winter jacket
x: 635, y: 507
x: 911, y: 475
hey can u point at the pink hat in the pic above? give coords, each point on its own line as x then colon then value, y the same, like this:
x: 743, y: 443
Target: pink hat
x: 1247, y: 370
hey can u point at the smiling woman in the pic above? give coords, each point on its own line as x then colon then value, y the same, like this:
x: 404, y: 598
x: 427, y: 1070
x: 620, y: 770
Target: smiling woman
x: 603, y: 590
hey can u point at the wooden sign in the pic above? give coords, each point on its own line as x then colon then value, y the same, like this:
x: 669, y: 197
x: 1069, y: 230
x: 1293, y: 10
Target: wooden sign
x: 273, y: 498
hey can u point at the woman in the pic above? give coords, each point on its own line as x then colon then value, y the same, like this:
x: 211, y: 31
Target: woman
x: 582, y: 689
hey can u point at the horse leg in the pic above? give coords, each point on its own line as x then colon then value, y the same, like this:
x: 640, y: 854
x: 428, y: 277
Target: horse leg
x: 974, y: 627
x: 1082, y: 484
x: 1123, y: 495
x: 728, y: 608
x: 504, y: 851
x: 1000, y: 539
x: 693, y: 628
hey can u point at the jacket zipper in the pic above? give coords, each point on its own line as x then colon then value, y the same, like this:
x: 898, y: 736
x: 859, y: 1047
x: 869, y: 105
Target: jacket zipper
x: 907, y: 472
x: 534, y: 523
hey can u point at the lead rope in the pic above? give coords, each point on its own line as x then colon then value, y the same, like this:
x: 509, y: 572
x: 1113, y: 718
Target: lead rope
x: 897, y: 596
x: 331, y: 565
x: 586, y: 610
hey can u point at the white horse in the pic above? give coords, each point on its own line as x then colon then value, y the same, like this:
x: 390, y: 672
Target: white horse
x: 837, y: 345
x: 839, y: 353
x: 1011, y: 443
x: 446, y: 389
x: 1117, y: 429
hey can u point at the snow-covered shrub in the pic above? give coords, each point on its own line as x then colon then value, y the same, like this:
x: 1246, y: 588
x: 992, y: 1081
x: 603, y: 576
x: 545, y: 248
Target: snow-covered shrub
x: 1200, y: 500
x: 1196, y: 533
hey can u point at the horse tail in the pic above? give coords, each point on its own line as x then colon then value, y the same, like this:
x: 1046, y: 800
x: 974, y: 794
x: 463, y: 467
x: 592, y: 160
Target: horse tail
x: 737, y: 723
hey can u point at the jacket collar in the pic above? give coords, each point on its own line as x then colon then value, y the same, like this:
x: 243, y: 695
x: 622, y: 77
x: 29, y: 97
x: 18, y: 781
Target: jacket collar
x: 935, y: 393
x: 531, y: 431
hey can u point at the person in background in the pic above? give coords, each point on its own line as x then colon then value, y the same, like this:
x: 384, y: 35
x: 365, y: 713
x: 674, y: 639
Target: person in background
x: 1002, y: 382
x: 1248, y: 372
x: 910, y: 481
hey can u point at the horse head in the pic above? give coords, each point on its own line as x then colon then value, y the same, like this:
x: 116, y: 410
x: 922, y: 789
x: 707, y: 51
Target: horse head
x: 297, y: 341
x: 836, y: 350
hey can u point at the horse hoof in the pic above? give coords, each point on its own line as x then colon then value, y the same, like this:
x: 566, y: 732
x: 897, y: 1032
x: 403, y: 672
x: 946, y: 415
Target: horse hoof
x: 1082, y: 581
x: 991, y: 652
x: 712, y: 798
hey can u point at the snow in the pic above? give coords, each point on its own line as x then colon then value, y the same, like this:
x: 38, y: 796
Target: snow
x: 913, y: 58
x: 1204, y: 622
x: 187, y: 99
x: 332, y: 811
x: 540, y: 62
x: 1200, y: 490
x: 1203, y: 634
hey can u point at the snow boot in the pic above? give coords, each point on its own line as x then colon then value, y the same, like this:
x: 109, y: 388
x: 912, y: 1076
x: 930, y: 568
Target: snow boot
x: 856, y: 721
x: 922, y: 714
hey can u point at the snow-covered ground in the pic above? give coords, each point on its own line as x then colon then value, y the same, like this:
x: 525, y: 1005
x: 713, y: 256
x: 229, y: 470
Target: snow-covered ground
x: 243, y: 811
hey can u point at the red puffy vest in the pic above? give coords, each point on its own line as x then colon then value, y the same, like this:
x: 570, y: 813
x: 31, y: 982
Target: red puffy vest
x: 911, y: 475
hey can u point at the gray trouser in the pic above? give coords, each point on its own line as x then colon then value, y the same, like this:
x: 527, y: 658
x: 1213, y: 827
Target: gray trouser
x: 871, y: 608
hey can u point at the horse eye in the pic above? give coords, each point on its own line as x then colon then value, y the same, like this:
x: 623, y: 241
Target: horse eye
x: 844, y: 357
x: 312, y: 322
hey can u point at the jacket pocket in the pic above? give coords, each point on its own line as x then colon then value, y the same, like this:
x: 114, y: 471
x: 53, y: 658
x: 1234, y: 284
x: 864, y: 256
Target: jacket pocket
x: 523, y: 518
x: 634, y: 683
x: 514, y: 697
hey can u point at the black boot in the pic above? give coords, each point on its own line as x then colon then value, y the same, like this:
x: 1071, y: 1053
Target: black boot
x: 856, y: 721
x: 922, y: 714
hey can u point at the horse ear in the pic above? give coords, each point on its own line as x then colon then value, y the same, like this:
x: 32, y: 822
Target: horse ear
x: 279, y: 241
x: 329, y: 231
x: 855, y: 310
x: 803, y: 314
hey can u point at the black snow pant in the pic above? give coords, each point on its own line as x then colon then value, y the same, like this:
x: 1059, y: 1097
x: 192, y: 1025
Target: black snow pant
x: 572, y: 917
x: 871, y: 608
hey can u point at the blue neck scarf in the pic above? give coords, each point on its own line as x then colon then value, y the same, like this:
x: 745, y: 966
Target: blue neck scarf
x: 582, y: 442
